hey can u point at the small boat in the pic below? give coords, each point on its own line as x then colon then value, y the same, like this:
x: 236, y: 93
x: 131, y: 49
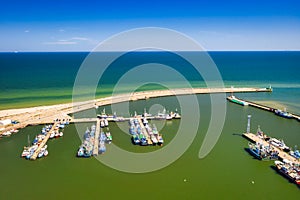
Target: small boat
x: 46, y: 153
x: 102, y: 147
x: 14, y: 130
x: 145, y: 121
x: 25, y: 152
x: 160, y: 140
x: 58, y: 134
x: 52, y: 135
x: 108, y: 137
x: 280, y: 144
x: 295, y: 153
x: 7, y: 133
x: 102, y: 124
x: 168, y: 117
x: 135, y: 139
x: 105, y: 122
x: 283, y: 113
x: 102, y: 137
x: 143, y: 140
x: 153, y: 139
x: 80, y: 152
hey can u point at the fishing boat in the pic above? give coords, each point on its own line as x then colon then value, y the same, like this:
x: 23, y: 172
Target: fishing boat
x: 279, y: 144
x: 289, y: 170
x: 295, y: 153
x: 105, y: 122
x: 262, y: 152
x: 102, y: 125
x: 80, y: 152
x: 108, y: 137
x: 46, y: 153
x: 58, y: 134
x: 14, y: 130
x: 145, y: 121
x: 153, y: 139
x: 143, y: 140
x: 102, y: 147
x: 283, y: 113
x: 160, y: 140
x: 7, y: 133
x: 52, y: 135
x: 135, y: 139
x: 102, y: 137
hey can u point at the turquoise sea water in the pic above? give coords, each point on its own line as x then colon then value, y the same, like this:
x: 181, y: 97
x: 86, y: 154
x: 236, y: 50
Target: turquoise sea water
x: 228, y: 172
x: 29, y: 79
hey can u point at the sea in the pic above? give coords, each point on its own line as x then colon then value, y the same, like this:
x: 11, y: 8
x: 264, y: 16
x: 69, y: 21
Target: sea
x: 29, y: 79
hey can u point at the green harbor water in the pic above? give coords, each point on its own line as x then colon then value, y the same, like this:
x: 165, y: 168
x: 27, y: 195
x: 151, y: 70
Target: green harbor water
x: 228, y: 172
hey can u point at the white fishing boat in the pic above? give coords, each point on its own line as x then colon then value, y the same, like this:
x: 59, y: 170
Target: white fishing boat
x: 7, y: 133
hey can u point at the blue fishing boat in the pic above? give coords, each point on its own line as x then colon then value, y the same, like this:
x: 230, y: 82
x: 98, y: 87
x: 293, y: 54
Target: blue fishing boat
x: 135, y: 139
x: 283, y: 113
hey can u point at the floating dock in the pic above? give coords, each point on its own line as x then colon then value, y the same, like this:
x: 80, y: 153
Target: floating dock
x: 282, y: 155
x: 45, y: 140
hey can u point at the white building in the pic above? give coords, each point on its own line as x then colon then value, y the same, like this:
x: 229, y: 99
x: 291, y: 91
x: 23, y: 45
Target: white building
x: 5, y: 122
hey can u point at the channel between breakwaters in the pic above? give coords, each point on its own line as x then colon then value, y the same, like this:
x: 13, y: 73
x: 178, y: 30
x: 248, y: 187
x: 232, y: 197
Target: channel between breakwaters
x: 48, y: 114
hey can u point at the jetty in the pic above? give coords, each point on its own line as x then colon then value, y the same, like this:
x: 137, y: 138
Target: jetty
x: 281, y: 154
x: 47, y: 114
x: 144, y: 131
x: 256, y: 105
x: 96, y: 140
x: 45, y: 140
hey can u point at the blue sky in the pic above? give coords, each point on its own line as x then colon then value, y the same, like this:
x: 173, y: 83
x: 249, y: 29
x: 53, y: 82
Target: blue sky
x: 217, y: 25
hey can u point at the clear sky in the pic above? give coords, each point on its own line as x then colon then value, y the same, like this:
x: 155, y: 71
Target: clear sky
x: 65, y: 25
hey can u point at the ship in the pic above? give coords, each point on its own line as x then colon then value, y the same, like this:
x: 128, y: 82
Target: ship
x: 289, y: 170
x: 135, y: 139
x: 237, y: 101
x: 262, y: 152
x: 283, y: 113
x: 108, y: 137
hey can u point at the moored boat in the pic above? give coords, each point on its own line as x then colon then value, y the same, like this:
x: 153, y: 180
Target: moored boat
x: 289, y: 170
x: 237, y: 101
x: 283, y: 113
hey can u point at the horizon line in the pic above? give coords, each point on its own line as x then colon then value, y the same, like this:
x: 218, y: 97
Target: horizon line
x: 220, y: 50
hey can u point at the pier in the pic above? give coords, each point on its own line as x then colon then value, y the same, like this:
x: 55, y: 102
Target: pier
x: 262, y: 107
x: 47, y: 114
x: 144, y: 131
x: 96, y: 141
x: 282, y: 155
x: 45, y: 140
